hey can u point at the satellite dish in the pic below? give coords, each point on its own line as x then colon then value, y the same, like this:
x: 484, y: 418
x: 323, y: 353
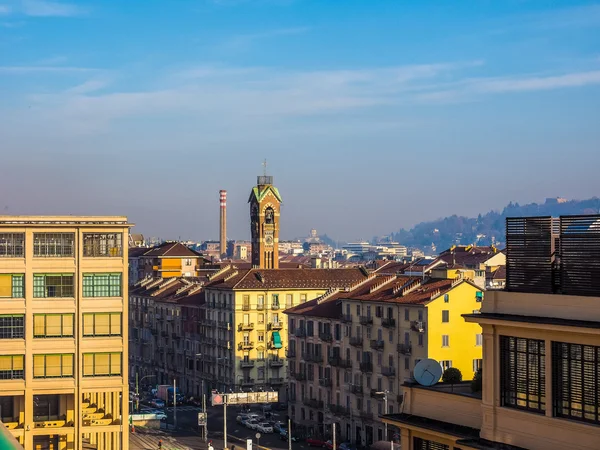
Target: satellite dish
x: 427, y: 372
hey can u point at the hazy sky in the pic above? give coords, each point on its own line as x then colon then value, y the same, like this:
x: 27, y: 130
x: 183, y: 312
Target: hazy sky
x: 373, y: 115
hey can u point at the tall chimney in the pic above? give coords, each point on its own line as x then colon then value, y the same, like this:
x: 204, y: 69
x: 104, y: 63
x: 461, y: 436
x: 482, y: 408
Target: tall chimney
x: 223, y: 223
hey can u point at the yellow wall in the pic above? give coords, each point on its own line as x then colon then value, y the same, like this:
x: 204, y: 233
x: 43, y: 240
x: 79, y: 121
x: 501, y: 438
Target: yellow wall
x: 462, y: 336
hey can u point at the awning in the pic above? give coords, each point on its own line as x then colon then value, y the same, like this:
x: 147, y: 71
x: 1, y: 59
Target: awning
x: 277, y: 340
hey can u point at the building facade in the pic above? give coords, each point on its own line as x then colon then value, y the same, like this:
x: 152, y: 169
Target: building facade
x: 63, y: 376
x: 265, y: 203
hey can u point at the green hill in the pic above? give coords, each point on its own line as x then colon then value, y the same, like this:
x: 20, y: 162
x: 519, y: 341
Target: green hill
x: 486, y: 229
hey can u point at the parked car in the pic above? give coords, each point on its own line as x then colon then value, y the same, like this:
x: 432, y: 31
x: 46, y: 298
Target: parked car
x: 264, y: 428
x: 157, y: 403
x: 252, y: 424
x: 242, y: 418
x: 316, y: 442
x: 278, y: 426
x: 283, y: 435
x: 345, y: 446
x: 160, y: 415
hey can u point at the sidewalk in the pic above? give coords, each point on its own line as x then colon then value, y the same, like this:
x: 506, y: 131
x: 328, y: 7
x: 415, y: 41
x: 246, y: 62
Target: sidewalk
x: 147, y: 439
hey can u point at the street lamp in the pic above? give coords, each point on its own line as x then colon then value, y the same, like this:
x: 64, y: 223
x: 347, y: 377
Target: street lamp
x: 385, y: 399
x: 137, y: 393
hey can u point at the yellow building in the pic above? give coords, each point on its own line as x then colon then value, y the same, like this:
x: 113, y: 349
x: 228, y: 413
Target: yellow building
x: 389, y: 323
x: 249, y: 336
x: 541, y: 352
x: 63, y: 376
x: 167, y: 260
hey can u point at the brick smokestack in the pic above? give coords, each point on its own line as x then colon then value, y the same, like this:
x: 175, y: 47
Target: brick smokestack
x: 223, y: 223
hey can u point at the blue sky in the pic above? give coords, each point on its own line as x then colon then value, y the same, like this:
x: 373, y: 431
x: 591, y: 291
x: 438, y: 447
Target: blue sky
x: 373, y: 115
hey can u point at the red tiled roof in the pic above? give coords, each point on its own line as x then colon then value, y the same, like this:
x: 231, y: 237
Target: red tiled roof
x: 172, y: 249
x: 329, y: 308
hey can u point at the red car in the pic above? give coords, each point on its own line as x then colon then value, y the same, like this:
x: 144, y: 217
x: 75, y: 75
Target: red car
x: 316, y: 442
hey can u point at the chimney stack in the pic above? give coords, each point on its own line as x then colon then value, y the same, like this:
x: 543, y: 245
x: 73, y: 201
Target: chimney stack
x: 223, y: 223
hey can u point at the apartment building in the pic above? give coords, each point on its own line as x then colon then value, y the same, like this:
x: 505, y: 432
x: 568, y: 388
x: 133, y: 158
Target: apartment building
x: 63, y: 380
x: 247, y: 331
x: 350, y: 351
x: 541, y: 351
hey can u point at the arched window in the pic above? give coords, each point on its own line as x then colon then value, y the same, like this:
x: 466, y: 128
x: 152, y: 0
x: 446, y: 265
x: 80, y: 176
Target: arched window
x: 269, y: 215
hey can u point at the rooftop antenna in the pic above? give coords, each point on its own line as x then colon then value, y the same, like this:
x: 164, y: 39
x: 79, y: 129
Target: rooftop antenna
x: 264, y: 164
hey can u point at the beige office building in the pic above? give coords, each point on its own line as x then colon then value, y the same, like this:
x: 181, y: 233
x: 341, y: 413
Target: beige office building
x: 63, y: 374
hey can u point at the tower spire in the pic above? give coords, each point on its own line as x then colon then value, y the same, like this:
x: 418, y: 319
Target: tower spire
x: 264, y: 164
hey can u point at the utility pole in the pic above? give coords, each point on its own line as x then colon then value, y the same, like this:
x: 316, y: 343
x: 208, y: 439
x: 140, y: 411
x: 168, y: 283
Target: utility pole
x: 137, y: 393
x: 225, y: 421
x: 206, y: 416
x: 289, y: 434
x: 334, y: 446
x: 174, y: 403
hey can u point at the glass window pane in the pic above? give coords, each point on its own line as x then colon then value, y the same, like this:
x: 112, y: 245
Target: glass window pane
x: 53, y: 365
x: 39, y: 325
x: 67, y: 365
x: 53, y: 325
x: 67, y: 325
x: 101, y: 364
x: 115, y: 364
x: 102, y: 325
x: 88, y: 364
x: 115, y: 324
x: 38, y: 365
x: 5, y: 363
x: 88, y: 324
x: 18, y: 362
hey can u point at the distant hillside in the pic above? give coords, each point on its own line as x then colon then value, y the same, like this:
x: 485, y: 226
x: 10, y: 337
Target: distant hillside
x: 486, y: 229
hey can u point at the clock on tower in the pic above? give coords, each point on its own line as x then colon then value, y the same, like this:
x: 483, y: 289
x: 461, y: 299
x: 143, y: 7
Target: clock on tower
x: 265, y: 203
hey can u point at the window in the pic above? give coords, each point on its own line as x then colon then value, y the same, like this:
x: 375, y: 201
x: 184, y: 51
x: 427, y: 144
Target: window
x: 261, y: 318
x: 478, y: 340
x: 12, y: 326
x: 103, y: 245
x: 53, y: 285
x: 406, y: 314
x: 575, y: 383
x: 55, y: 365
x: 478, y: 296
x: 102, y: 324
x: 53, y: 244
x: 261, y: 355
x: 261, y: 337
x: 101, y: 364
x: 289, y: 300
x: 445, y: 316
x: 12, y: 245
x: 11, y: 367
x: 446, y: 364
x: 302, y: 298
x: 275, y: 301
x: 522, y: 373
x: 406, y: 363
x: 477, y: 364
x: 446, y: 298
x: 101, y: 284
x: 260, y: 302
x: 52, y: 325
x: 420, y: 340
x: 445, y: 340
x: 46, y: 407
x: 422, y: 444
x: 12, y: 285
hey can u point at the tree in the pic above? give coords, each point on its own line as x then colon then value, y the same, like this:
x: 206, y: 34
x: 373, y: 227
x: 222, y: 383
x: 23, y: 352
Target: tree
x: 476, y: 384
x: 452, y: 375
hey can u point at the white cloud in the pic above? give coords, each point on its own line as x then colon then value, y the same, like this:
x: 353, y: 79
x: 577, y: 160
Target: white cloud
x: 23, y: 70
x: 45, y: 8
x: 242, y: 41
x: 4, y: 10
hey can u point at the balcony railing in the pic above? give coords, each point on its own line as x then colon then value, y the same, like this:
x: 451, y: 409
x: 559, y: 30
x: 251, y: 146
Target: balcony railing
x: 290, y: 353
x: 342, y: 363
x: 245, y: 307
x: 388, y: 322
x: 338, y: 410
x: 275, y: 306
x: 356, y: 389
x: 247, y: 382
x: 310, y: 357
x: 418, y: 325
x: 367, y: 415
x: 248, y: 364
x: 377, y: 344
x: 300, y: 332
x: 300, y: 376
x: 260, y: 307
x: 325, y: 382
x: 356, y: 341
x: 366, y: 367
x: 326, y: 337
x: 245, y: 327
x: 405, y: 349
x: 275, y: 326
x: 346, y: 318
x: 388, y: 371
x: 275, y: 381
x: 366, y: 320
x: 245, y: 345
x: 313, y: 403
x: 276, y: 362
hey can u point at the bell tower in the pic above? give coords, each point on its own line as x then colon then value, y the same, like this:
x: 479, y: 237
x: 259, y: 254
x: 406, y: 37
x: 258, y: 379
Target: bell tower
x: 265, y: 203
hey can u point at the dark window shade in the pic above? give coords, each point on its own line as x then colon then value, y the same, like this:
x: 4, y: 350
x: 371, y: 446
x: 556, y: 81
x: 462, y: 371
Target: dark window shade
x: 522, y: 376
x: 576, y: 381
x: 422, y: 444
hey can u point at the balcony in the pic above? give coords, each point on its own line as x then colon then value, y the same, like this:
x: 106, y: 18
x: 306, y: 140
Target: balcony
x: 417, y: 325
x: 299, y: 376
x: 260, y: 307
x: 388, y: 371
x: 377, y: 345
x: 366, y: 367
x: 377, y: 394
x: 276, y: 362
x: 275, y: 326
x: 366, y: 320
x: 342, y: 363
x: 338, y: 410
x: 276, y: 381
x: 245, y: 327
x: 313, y: 403
x: 175, y: 336
x: 356, y: 389
x: 309, y: 357
x: 290, y: 353
x: 245, y: 345
x: 275, y: 306
x: 405, y: 349
x: 347, y: 318
x: 246, y: 364
x: 388, y: 323
x: 300, y: 332
x: 356, y: 341
x: 245, y: 307
x: 325, y: 382
x: 164, y: 334
x: 326, y: 337
x: 247, y: 382
x: 366, y: 415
